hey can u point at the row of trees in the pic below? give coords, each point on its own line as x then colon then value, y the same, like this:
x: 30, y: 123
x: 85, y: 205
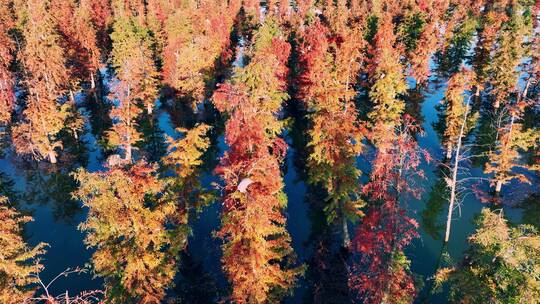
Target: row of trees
x: 347, y: 62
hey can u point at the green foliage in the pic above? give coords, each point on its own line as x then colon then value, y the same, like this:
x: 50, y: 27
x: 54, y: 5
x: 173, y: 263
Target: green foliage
x: 455, y: 49
x: 184, y: 158
x: 502, y: 264
x: 410, y: 29
x: 371, y: 28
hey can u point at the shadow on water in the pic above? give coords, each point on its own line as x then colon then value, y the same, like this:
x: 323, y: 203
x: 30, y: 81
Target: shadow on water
x: 313, y: 240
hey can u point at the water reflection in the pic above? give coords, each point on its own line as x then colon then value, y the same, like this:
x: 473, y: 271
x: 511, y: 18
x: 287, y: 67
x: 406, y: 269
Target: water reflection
x: 432, y: 216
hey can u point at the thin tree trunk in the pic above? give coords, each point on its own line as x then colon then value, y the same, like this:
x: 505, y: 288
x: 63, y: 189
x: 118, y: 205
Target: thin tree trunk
x: 128, y: 153
x: 449, y: 150
x: 498, y: 186
x: 92, y: 81
x: 128, y: 146
x: 52, y: 157
x: 454, y: 175
x: 346, y: 237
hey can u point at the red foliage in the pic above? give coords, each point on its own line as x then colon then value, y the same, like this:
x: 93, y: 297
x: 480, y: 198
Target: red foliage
x: 102, y: 18
x: 78, y: 36
x: 379, y: 276
x: 395, y: 167
x: 6, y: 77
x: 381, y: 273
x: 253, y: 224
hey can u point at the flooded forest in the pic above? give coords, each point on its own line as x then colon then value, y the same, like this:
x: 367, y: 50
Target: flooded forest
x: 278, y: 151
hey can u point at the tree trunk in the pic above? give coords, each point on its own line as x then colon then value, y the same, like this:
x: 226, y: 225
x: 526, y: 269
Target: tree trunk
x: 71, y: 96
x: 498, y: 186
x: 497, y: 103
x: 454, y: 175
x: 92, y: 81
x: 346, y: 237
x: 449, y: 150
x: 52, y: 157
x: 128, y: 153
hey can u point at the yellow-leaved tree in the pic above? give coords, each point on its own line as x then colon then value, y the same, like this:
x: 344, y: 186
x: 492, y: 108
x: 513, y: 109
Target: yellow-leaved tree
x: 127, y: 226
x: 18, y: 262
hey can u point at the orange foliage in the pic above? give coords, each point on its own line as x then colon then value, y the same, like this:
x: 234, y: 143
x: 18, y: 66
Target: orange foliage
x: 19, y: 263
x: 7, y: 96
x: 257, y: 246
x: 46, y: 78
x: 197, y: 40
x: 329, y: 62
x: 387, y: 80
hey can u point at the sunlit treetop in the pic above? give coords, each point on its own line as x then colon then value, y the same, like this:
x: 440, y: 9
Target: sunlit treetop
x: 128, y: 8
x: 43, y: 56
x: 387, y: 82
x: 454, y: 103
x: 132, y: 57
x: 262, y: 82
x: 197, y: 42
x: 505, y: 160
x: 46, y: 78
x: 185, y: 153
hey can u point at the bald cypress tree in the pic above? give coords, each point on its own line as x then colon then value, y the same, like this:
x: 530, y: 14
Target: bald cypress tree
x: 257, y: 252
x: 46, y: 77
x: 328, y: 73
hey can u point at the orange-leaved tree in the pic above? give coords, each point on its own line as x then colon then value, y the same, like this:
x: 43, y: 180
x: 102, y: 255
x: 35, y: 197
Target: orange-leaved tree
x: 513, y: 138
x: 7, y: 96
x: 194, y: 49
x: 184, y: 158
x: 387, y: 82
x: 257, y: 250
x: 45, y: 76
x: 455, y: 109
x: 329, y: 62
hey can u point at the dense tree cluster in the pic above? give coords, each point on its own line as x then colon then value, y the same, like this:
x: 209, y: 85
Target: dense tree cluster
x: 348, y: 76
